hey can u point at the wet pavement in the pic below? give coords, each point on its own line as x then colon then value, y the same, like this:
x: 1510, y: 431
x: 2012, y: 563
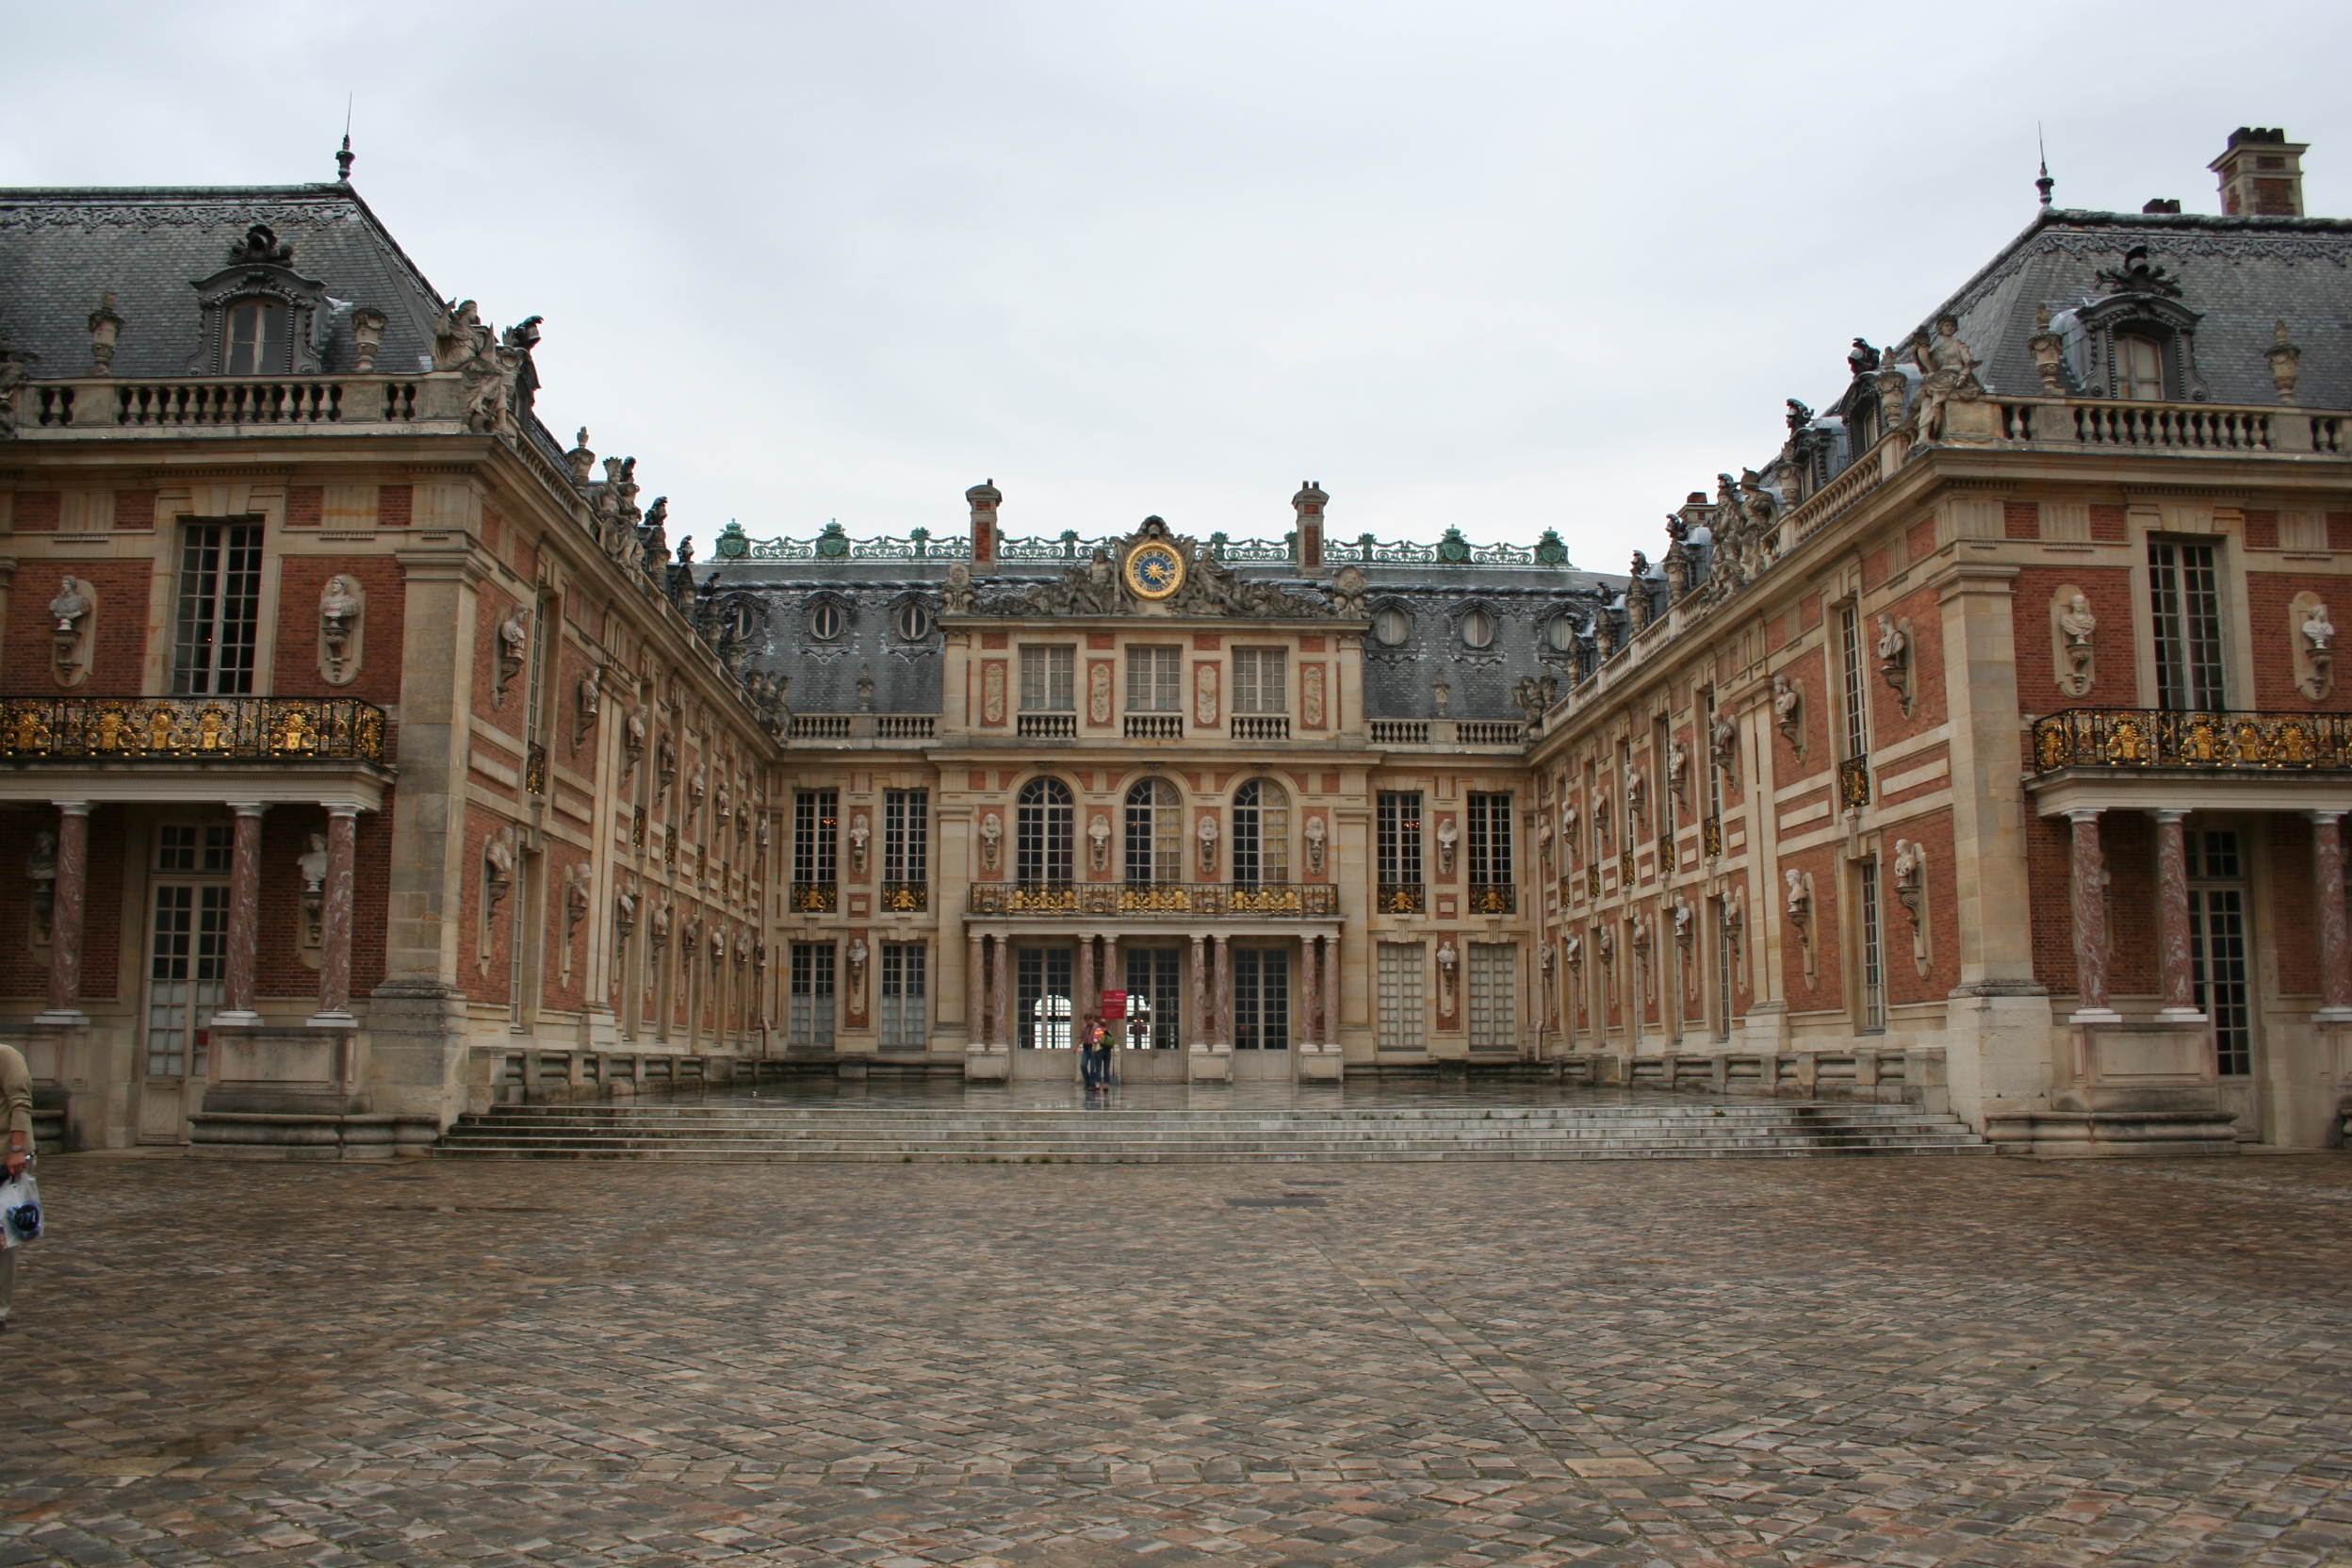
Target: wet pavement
x: 1912, y: 1362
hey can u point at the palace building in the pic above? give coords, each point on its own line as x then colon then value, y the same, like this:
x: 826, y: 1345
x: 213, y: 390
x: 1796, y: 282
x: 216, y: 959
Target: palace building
x: 369, y: 755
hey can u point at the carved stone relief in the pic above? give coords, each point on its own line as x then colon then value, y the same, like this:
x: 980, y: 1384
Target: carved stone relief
x: 1204, y: 695
x: 1099, y: 691
x: 1894, y: 659
x: 513, y: 647
x: 1800, y: 911
x: 1316, y: 834
x: 1789, y: 711
x: 2074, y: 658
x: 1911, y: 893
x: 342, y: 630
x: 1310, y: 697
x: 73, y: 628
x: 992, y: 691
x: 991, y: 841
x: 2314, y: 635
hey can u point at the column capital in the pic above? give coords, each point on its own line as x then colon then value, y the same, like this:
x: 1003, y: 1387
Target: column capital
x: 2322, y: 819
x: 2083, y: 814
x: 341, y: 808
x: 2168, y: 814
x: 247, y: 808
x: 73, y: 808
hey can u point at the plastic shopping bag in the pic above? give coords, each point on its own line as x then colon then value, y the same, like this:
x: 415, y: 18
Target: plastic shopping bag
x: 19, y: 1211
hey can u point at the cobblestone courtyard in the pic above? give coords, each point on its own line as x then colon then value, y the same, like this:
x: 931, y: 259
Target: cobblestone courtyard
x: 1806, y: 1362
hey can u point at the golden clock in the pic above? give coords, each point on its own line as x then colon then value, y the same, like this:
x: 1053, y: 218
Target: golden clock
x: 1154, y: 571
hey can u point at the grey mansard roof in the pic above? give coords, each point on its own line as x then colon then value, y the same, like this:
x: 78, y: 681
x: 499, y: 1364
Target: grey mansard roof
x: 1398, y: 682
x: 61, y: 249
x: 2241, y: 275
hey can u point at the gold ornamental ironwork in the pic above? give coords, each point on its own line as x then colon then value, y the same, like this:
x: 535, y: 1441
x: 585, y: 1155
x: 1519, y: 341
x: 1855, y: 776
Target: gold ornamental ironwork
x: 2214, y: 742
x: 196, y: 728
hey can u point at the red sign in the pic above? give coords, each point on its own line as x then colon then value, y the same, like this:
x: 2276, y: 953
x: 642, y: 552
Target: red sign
x: 1114, y: 1004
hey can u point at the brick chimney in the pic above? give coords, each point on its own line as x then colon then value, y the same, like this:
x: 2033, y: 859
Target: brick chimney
x: 2261, y: 173
x: 1309, y: 503
x: 985, y: 498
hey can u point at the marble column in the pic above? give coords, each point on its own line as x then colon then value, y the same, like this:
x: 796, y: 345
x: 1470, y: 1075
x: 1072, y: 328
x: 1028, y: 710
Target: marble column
x: 2090, y: 921
x: 976, y: 994
x: 1309, y: 993
x: 334, y: 923
x: 1331, y: 992
x: 1199, y: 993
x: 2172, y: 911
x: 2335, y: 942
x: 1114, y: 978
x: 1221, y: 1018
x: 244, y: 916
x: 1006, y: 1037
x: 1089, y: 1000
x: 65, y: 915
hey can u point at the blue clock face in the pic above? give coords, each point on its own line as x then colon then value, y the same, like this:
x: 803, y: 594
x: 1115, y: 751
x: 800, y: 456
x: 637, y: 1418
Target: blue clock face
x: 1156, y: 571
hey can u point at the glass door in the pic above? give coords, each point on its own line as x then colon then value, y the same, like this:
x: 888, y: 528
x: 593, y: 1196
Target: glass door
x: 1041, y: 990
x: 1154, y: 998
x: 2219, y: 968
x: 187, y: 970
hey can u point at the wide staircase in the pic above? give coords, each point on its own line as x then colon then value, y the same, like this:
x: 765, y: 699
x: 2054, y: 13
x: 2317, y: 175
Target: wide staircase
x: 751, y: 1131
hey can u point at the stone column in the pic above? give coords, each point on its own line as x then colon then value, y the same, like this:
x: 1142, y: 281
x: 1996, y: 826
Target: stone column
x: 334, y: 923
x: 976, y: 994
x: 2335, y: 942
x: 1331, y: 992
x: 1221, y: 1018
x: 1089, y: 1000
x: 65, y: 915
x: 2090, y: 921
x: 1114, y: 978
x: 1310, y: 1032
x: 2172, y: 909
x: 1006, y: 1036
x: 244, y: 916
x: 1199, y: 993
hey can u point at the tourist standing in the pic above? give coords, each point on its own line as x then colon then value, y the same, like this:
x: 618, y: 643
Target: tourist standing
x: 16, y: 1095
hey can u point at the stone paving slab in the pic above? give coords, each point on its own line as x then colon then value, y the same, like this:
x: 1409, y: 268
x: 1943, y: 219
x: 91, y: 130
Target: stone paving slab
x: 1740, y: 1362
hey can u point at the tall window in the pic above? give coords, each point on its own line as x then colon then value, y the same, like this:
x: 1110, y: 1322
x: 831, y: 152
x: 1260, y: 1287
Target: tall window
x: 1041, y: 835
x: 1261, y: 998
x: 1849, y: 651
x: 1041, y: 989
x: 1724, y: 973
x: 1661, y: 748
x: 1490, y: 841
x: 1261, y: 833
x: 1155, y: 997
x: 2185, y: 590
x: 906, y: 836
x: 1398, y: 993
x: 2139, y: 367
x: 1493, y: 997
x: 1156, y: 833
x: 816, y: 815
x: 1046, y: 680
x: 1399, y: 838
x: 1714, y: 767
x: 254, y: 339
x: 1873, y: 952
x: 220, y: 609
x: 2217, y: 961
x: 1258, y: 681
x: 811, y: 1016
x: 1155, y: 680
x: 904, y: 1019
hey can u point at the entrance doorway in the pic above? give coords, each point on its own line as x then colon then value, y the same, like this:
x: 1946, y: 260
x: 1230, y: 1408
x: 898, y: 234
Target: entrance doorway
x: 2218, y: 966
x: 188, y: 947
x: 1154, y: 999
x: 1041, y: 997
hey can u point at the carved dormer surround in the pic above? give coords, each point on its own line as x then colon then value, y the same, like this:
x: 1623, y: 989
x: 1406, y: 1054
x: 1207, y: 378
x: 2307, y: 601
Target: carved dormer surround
x: 261, y: 270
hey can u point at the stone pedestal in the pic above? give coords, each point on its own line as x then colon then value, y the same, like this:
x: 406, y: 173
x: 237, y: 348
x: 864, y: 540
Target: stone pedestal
x: 1203, y: 1065
x: 2130, y: 1089
x: 984, y: 1066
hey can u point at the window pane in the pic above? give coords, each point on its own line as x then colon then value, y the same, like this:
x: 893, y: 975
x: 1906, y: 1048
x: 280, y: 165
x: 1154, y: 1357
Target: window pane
x: 1398, y: 996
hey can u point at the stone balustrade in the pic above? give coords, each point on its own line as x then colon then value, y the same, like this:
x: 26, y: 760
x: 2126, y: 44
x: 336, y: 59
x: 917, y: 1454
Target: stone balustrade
x: 1886, y: 1075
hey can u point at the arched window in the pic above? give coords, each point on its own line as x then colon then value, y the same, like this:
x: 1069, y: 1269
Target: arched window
x: 1391, y: 625
x: 1261, y: 834
x: 913, y: 621
x: 2139, y: 367
x: 1478, y: 629
x: 1561, y: 632
x: 827, y: 621
x: 1156, y: 833
x: 1041, y: 837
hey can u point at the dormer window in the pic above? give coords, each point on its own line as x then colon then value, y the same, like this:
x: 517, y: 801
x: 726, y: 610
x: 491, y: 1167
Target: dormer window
x: 2139, y: 367
x: 253, y: 338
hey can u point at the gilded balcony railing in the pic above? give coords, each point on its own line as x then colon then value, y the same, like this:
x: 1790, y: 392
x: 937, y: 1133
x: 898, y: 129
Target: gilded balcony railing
x: 1292, y: 899
x: 1712, y: 837
x: 814, y: 898
x: 1491, y: 899
x: 2234, y: 742
x: 180, y: 729
x: 906, y: 898
x: 1403, y: 898
x: 1853, y: 783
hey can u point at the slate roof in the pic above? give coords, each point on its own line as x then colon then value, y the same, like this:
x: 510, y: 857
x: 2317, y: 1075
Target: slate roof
x: 2241, y: 275
x: 60, y: 249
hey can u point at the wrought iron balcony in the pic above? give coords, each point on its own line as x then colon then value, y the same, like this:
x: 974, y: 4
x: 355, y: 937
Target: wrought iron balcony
x: 2236, y: 741
x: 906, y: 898
x: 1403, y: 898
x: 1497, y: 898
x: 1853, y: 783
x: 814, y: 898
x: 184, y: 730
x: 1276, y: 900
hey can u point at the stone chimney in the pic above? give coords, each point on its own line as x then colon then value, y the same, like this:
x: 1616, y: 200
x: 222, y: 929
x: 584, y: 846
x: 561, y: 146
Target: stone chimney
x: 1309, y: 503
x: 2261, y: 173
x: 985, y: 498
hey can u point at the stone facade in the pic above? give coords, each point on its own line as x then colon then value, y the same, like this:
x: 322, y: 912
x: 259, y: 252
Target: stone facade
x: 1983, y: 747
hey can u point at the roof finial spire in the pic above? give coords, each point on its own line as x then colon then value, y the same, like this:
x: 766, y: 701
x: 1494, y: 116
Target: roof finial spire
x: 343, y: 158
x: 2045, y: 183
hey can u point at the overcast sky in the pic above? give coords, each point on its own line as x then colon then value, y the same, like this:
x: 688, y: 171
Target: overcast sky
x: 1499, y: 267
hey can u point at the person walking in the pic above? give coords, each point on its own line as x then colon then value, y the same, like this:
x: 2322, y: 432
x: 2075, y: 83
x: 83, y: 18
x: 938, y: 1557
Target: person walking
x: 16, y: 1097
